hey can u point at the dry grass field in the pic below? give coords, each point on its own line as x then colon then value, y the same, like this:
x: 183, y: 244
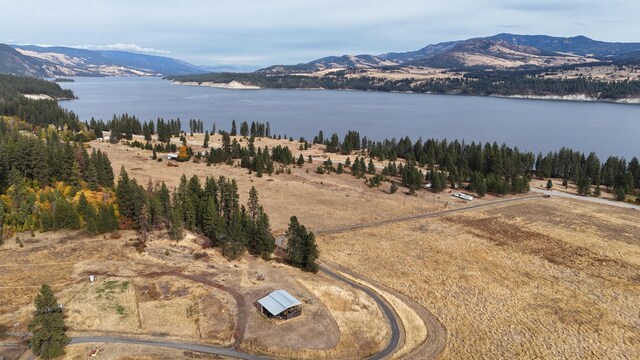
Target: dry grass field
x: 550, y: 278
x: 166, y: 293
x: 543, y: 278
x: 319, y: 201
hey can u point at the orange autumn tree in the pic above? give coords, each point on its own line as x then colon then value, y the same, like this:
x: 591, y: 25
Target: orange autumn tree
x: 183, y: 155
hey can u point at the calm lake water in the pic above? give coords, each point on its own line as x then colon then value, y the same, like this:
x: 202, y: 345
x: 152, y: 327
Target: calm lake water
x: 531, y: 125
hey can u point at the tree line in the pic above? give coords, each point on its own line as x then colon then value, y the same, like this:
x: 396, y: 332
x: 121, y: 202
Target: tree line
x: 474, y: 82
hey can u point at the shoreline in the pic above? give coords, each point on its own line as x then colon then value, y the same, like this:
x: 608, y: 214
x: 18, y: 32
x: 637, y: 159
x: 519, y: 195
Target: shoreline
x: 235, y: 85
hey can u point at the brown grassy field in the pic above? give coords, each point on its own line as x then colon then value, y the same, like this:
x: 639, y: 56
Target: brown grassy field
x: 164, y: 292
x: 319, y: 201
x: 549, y: 278
x: 541, y: 279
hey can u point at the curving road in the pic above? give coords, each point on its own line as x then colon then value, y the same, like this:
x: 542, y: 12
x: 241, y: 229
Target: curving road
x: 430, y: 349
x: 166, y: 344
x: 392, y: 317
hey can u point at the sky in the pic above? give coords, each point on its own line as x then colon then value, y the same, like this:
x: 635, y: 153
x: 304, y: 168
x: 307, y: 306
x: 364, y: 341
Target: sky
x: 257, y: 33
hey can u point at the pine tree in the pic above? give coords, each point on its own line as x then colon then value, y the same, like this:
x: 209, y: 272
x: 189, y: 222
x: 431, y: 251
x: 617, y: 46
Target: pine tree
x: 206, y: 140
x: 263, y: 242
x: 92, y: 177
x: 371, y: 168
x: 584, y: 185
x: 143, y: 228
x: 165, y: 201
x: 210, y: 218
x: 85, y: 209
x: 75, y: 177
x: 124, y: 194
x: 302, y: 250
x: 234, y: 130
x: 234, y: 244
x: 549, y: 184
x: 176, y: 231
x: 597, y: 191
x: 107, y: 220
x: 48, y: 328
x: 393, y: 188
x: 253, y: 204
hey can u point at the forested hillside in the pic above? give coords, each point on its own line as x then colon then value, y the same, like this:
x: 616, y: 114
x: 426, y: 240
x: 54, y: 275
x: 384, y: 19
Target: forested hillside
x: 502, y: 83
x: 12, y: 86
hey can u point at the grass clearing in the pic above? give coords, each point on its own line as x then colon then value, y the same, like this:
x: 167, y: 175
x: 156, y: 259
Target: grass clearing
x: 503, y: 273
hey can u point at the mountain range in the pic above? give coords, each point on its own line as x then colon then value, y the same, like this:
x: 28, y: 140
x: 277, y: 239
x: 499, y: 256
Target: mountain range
x: 500, y: 51
x: 38, y: 61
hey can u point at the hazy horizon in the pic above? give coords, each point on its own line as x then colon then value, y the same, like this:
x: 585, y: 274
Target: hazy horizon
x: 252, y: 33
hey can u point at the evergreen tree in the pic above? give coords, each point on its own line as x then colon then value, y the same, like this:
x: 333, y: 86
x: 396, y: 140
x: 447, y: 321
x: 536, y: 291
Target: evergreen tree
x: 92, y: 177
x: 371, y: 168
x: 176, y: 232
x: 584, y: 185
x: 165, y: 201
x: 393, y: 188
x: 206, y: 140
x: 262, y: 243
x: 48, y: 328
x: 85, y: 209
x: 143, y: 228
x: 549, y: 184
x: 107, y: 220
x: 244, y: 129
x: 234, y: 131
x: 234, y: 243
x: 75, y: 177
x: 620, y: 193
x: 124, y: 194
x: 302, y: 250
x: 65, y: 216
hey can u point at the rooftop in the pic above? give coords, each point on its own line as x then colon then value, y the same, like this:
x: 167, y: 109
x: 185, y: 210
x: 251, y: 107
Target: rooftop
x: 278, y: 301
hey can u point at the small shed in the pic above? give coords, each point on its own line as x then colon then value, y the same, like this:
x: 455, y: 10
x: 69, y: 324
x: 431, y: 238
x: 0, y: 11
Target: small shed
x: 280, y: 304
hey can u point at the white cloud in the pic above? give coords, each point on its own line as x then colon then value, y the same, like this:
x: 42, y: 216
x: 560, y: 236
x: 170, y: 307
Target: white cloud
x: 123, y: 47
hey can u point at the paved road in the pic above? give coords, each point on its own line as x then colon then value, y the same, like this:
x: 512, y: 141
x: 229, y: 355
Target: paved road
x: 172, y: 345
x: 587, y: 198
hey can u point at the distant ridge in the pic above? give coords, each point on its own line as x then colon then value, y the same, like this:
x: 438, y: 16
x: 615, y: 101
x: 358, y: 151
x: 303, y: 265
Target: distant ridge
x: 494, y: 52
x: 38, y: 61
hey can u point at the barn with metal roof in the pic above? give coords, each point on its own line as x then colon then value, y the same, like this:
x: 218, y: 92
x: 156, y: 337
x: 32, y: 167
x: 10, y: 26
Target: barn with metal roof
x: 280, y: 304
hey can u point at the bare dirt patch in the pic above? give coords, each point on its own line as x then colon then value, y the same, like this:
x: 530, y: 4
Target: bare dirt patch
x: 166, y: 292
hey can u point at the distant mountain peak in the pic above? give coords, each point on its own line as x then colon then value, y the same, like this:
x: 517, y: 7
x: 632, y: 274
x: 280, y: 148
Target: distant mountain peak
x: 38, y: 61
x: 504, y: 50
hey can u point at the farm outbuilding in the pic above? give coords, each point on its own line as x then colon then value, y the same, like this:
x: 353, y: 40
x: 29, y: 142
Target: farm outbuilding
x: 280, y: 304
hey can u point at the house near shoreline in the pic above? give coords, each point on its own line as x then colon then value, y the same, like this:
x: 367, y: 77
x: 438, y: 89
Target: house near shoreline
x: 279, y: 304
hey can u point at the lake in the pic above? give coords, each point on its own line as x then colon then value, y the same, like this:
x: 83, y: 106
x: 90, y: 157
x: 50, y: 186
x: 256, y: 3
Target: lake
x: 531, y: 125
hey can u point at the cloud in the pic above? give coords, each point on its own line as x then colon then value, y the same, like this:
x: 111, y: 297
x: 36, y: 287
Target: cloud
x: 509, y: 26
x: 607, y: 21
x: 123, y: 47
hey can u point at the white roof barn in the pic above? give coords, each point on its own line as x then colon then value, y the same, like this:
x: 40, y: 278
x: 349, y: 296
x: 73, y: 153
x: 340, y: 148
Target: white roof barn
x: 281, y: 304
